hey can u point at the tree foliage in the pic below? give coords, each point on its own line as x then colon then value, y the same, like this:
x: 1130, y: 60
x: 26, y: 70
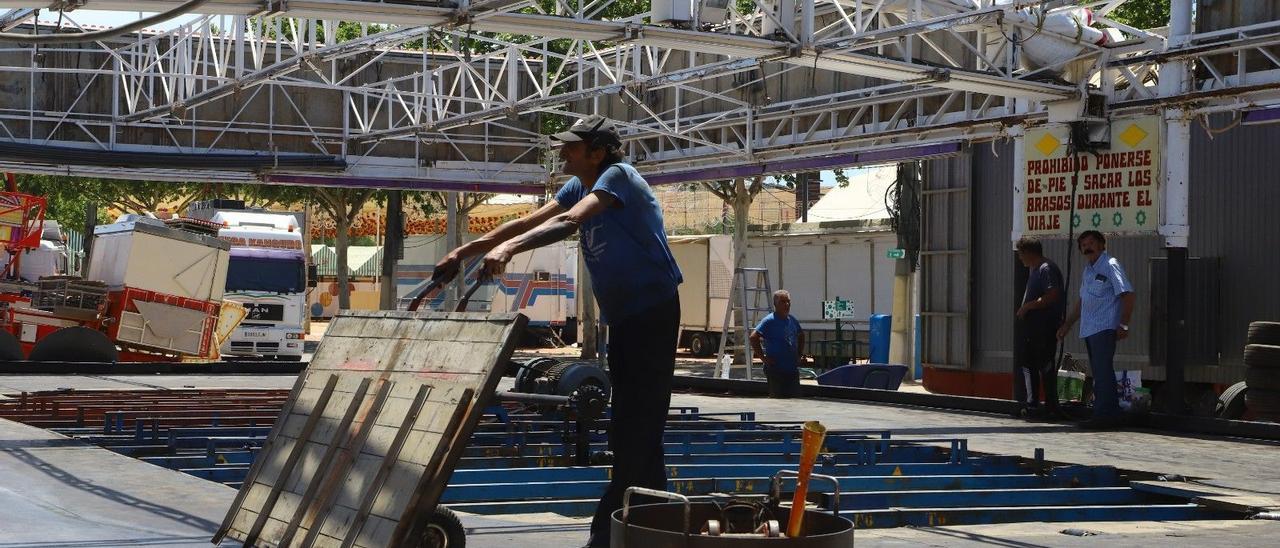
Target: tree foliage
x: 68, y: 196
x: 343, y: 205
x: 1143, y: 14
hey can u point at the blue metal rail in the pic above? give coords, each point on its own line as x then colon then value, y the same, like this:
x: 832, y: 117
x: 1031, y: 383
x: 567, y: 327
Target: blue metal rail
x: 518, y: 463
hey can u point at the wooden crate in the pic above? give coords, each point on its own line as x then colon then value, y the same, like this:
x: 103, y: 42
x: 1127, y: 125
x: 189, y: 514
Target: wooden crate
x: 372, y: 429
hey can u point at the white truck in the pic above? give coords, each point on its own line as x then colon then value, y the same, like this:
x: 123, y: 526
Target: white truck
x: 707, y: 265
x: 269, y: 274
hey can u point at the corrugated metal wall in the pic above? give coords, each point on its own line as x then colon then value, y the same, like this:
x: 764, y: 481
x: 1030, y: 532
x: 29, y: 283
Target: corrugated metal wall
x: 1234, y: 199
x: 1235, y: 204
x: 992, y: 258
x: 949, y: 202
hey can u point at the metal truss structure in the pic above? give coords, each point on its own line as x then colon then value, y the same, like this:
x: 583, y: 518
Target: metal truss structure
x: 773, y: 86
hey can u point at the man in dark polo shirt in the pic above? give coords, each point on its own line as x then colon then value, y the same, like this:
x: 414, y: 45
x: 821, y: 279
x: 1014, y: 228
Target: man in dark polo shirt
x: 1042, y: 311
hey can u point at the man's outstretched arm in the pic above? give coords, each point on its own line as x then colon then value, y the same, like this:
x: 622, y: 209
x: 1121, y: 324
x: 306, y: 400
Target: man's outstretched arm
x: 448, y: 267
x: 553, y: 230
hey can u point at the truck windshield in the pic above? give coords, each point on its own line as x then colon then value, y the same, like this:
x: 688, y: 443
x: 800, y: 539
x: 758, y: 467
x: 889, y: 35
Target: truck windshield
x: 274, y: 275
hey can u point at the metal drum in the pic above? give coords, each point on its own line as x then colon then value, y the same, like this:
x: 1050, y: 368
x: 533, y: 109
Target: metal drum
x: 698, y: 525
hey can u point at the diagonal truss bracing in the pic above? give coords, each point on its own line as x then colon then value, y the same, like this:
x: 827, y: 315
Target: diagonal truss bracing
x: 753, y: 87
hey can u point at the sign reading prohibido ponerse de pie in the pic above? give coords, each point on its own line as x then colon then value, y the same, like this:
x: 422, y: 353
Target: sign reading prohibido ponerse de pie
x: 1117, y: 186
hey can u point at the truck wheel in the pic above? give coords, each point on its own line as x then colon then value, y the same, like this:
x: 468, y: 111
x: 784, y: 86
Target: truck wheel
x: 444, y: 530
x: 1259, y: 356
x: 700, y: 345
x: 1264, y: 403
x: 74, y: 344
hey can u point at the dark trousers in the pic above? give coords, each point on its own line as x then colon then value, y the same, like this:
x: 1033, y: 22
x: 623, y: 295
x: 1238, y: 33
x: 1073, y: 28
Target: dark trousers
x: 642, y: 360
x: 1037, y: 371
x: 1102, y: 355
x: 782, y: 384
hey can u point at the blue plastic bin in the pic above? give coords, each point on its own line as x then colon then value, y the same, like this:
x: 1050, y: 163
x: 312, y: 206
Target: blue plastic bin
x: 881, y: 326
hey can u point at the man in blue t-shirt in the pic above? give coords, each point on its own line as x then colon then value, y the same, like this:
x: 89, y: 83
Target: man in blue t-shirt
x: 1039, y: 315
x: 634, y: 277
x: 782, y: 339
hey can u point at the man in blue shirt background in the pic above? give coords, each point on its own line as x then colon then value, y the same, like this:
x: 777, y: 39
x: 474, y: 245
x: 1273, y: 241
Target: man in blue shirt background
x: 634, y: 278
x: 783, y: 339
x: 1104, y: 308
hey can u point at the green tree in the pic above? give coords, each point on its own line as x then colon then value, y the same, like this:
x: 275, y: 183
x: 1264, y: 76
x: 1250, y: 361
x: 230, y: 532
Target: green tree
x: 63, y: 203
x: 259, y: 195
x: 1143, y: 14
x: 67, y: 196
x: 343, y: 205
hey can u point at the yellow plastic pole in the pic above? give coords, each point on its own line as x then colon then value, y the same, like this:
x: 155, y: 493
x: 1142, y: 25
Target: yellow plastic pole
x: 811, y: 443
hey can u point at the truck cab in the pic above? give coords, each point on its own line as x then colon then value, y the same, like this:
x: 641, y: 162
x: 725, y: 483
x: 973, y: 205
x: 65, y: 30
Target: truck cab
x: 267, y: 274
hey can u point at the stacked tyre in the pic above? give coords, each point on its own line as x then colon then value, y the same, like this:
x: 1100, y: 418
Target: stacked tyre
x: 1262, y: 370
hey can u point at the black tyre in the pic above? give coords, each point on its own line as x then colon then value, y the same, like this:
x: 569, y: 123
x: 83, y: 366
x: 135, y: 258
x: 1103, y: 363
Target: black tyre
x: 1262, y: 379
x: 74, y: 344
x: 1260, y: 356
x: 1264, y: 403
x: 443, y: 530
x: 10, y: 348
x: 1231, y: 403
x: 1264, y: 333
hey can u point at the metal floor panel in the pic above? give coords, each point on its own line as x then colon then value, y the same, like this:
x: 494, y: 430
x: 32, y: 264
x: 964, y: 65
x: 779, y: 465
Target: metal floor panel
x: 516, y: 464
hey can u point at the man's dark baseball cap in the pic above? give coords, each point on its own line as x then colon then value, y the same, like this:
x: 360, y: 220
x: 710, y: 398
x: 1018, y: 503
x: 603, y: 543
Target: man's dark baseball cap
x: 594, y: 129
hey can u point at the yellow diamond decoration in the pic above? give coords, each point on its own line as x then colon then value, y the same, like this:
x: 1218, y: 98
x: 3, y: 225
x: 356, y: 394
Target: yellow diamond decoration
x: 1133, y: 135
x: 1047, y: 144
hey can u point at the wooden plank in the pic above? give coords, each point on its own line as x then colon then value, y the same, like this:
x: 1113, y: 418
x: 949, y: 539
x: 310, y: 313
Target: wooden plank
x: 335, y: 443
x: 389, y: 460
x: 1244, y: 504
x: 319, y: 513
x: 295, y: 452
x: 432, y: 484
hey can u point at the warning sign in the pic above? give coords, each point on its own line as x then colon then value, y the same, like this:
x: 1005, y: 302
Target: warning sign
x: 1117, y: 188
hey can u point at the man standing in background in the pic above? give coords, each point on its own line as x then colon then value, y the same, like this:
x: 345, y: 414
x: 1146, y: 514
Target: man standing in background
x: 1039, y: 316
x: 1104, y: 308
x: 782, y: 339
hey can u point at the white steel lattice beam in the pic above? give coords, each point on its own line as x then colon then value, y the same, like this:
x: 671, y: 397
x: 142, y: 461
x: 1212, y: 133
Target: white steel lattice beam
x: 839, y: 76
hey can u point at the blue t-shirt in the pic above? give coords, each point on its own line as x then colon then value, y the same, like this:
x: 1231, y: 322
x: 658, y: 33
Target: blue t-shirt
x: 625, y: 247
x: 1101, y: 285
x: 780, y: 338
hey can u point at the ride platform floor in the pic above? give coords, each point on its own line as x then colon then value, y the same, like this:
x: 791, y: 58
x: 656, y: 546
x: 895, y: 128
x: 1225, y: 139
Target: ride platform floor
x: 58, y: 492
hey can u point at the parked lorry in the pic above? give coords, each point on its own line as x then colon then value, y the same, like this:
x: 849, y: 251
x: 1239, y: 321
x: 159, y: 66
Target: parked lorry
x: 540, y: 285
x: 707, y: 265
x: 268, y: 275
x: 150, y: 292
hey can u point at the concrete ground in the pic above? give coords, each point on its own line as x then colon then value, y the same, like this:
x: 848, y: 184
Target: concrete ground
x: 58, y: 492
